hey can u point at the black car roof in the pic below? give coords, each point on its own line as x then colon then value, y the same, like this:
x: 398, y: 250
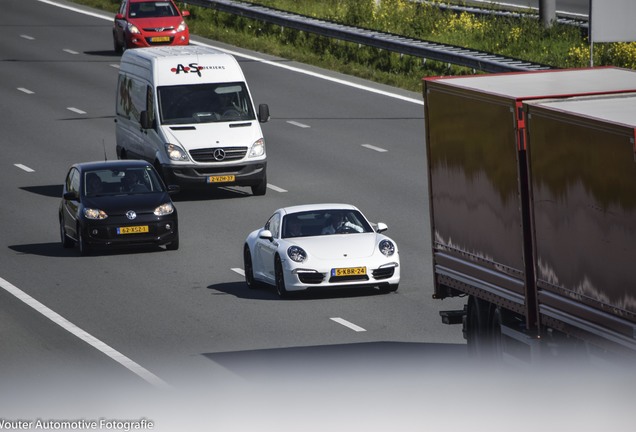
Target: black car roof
x: 112, y: 164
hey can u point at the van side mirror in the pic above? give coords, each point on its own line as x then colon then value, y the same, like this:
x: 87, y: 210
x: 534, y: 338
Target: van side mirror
x: 263, y: 113
x: 144, y: 120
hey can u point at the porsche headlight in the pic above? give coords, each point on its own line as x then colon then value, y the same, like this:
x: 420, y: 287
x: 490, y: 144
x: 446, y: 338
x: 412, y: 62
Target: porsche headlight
x: 164, y: 209
x: 90, y: 213
x: 258, y: 148
x: 387, y: 247
x: 182, y: 26
x: 297, y: 254
x: 176, y: 153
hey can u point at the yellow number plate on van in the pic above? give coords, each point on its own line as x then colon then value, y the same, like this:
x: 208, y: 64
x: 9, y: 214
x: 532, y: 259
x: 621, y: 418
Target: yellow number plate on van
x: 350, y: 271
x: 160, y: 39
x: 133, y: 229
x: 221, y: 178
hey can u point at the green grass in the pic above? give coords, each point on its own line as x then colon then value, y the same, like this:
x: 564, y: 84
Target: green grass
x: 559, y: 46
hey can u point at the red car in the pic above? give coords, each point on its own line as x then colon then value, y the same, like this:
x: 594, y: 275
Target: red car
x: 145, y: 23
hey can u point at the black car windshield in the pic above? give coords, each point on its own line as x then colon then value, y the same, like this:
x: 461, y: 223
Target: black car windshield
x: 117, y: 181
x: 324, y: 222
x: 204, y: 103
x: 152, y: 9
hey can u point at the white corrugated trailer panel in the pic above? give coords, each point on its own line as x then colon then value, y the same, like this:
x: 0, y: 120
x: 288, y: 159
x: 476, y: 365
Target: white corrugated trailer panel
x: 617, y: 109
x: 551, y: 83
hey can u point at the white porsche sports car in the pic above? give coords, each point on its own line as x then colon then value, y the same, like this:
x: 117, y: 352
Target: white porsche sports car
x: 321, y: 246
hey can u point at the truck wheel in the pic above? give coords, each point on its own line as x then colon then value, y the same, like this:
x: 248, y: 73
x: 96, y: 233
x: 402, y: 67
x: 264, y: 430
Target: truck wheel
x: 261, y: 188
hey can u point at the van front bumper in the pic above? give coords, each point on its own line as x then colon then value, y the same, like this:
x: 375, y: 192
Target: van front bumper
x: 243, y: 174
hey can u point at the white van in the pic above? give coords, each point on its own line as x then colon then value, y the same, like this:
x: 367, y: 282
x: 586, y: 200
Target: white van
x: 188, y: 111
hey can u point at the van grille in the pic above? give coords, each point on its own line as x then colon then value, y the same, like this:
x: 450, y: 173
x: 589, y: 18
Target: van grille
x: 218, y: 154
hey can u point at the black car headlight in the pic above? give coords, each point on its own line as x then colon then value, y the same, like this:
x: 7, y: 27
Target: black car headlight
x: 164, y: 209
x: 296, y: 254
x: 387, y: 248
x: 90, y: 213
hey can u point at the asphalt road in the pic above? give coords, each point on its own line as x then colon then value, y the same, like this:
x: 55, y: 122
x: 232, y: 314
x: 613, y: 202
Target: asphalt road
x: 176, y: 338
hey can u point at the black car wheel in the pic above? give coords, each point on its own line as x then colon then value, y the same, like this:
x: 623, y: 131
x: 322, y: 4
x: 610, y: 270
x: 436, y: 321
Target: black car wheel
x: 280, y: 278
x: 173, y: 245
x: 84, y: 247
x: 67, y: 242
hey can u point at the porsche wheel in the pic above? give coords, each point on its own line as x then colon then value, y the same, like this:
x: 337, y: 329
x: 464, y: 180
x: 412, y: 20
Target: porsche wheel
x: 280, y: 278
x: 248, y: 268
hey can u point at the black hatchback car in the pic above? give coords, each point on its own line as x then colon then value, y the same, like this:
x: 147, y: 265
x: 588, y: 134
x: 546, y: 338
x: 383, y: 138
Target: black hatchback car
x: 119, y: 202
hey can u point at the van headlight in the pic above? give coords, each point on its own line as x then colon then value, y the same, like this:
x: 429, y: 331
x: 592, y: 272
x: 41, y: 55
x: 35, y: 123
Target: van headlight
x: 176, y: 153
x: 258, y: 148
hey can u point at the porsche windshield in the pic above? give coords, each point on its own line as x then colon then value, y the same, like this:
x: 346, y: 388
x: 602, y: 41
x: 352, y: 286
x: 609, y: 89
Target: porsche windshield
x: 204, y: 103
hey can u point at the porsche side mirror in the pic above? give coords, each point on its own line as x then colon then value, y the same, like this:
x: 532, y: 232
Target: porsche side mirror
x: 266, y: 234
x: 381, y: 227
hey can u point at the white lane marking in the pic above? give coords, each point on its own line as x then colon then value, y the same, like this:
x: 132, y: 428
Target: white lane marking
x: 70, y: 51
x: 24, y: 167
x: 276, y: 188
x: 239, y: 271
x: 86, y: 337
x: 116, y: 66
x: 372, y: 147
x: 270, y: 63
x: 24, y: 90
x: 295, y: 123
x: 27, y: 37
x: 348, y: 324
x: 76, y: 110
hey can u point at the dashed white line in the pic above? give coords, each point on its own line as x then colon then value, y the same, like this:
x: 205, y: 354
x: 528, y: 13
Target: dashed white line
x: 24, y: 90
x: 70, y: 51
x: 348, y: 324
x: 24, y: 167
x: 116, y: 66
x: 372, y: 147
x: 239, y: 271
x: 27, y: 37
x: 276, y: 188
x: 86, y: 337
x: 76, y: 110
x: 300, y: 125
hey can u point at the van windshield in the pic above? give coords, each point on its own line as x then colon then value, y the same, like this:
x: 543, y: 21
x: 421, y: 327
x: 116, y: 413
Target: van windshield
x: 204, y: 103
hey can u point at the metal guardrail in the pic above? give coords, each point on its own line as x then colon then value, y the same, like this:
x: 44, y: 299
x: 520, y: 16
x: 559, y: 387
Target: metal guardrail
x: 478, y: 60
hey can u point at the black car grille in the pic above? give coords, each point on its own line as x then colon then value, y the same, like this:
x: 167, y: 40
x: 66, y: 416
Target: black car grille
x: 219, y: 154
x: 383, y: 273
x: 311, y: 278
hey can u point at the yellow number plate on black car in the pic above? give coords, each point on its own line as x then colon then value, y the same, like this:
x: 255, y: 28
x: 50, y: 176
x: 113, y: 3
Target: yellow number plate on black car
x: 350, y: 271
x: 133, y: 229
x: 221, y: 178
x: 160, y: 39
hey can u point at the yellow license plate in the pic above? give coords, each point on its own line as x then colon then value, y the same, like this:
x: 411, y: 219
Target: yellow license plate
x: 221, y: 178
x: 133, y: 229
x: 350, y: 271
x: 160, y: 39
